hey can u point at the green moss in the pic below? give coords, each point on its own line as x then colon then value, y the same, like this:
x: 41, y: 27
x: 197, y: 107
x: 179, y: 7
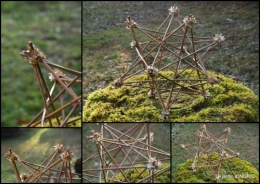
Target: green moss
x: 234, y: 170
x: 133, y: 175
x: 229, y: 102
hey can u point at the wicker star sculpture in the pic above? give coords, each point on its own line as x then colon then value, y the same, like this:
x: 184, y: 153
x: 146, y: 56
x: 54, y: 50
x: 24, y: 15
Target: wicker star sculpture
x: 124, y: 157
x: 49, y: 113
x: 211, y: 151
x: 172, y: 47
x: 54, y: 169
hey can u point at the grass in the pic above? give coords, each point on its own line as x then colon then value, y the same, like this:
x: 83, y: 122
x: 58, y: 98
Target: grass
x: 34, y: 145
x: 244, y: 138
x: 104, y: 35
x: 54, y: 27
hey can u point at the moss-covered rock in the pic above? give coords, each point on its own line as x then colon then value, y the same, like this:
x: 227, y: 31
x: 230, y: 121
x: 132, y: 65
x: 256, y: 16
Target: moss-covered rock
x: 234, y: 170
x: 229, y: 102
x: 133, y: 175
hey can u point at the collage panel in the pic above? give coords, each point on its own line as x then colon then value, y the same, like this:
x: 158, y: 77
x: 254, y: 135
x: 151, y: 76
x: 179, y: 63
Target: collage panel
x: 41, y: 64
x: 215, y: 152
x: 126, y: 153
x: 41, y: 155
x: 156, y: 62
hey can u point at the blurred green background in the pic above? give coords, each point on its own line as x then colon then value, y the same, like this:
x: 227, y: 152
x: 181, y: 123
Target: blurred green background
x: 34, y: 145
x: 54, y: 27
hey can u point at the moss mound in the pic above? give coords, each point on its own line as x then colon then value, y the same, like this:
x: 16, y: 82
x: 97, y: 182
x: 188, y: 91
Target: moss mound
x: 229, y: 102
x: 234, y: 170
x: 133, y: 175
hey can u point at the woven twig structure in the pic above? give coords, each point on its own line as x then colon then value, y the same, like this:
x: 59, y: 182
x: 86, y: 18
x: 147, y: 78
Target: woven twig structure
x: 211, y: 151
x: 171, y: 47
x: 56, y: 75
x: 121, y: 153
x: 56, y: 168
